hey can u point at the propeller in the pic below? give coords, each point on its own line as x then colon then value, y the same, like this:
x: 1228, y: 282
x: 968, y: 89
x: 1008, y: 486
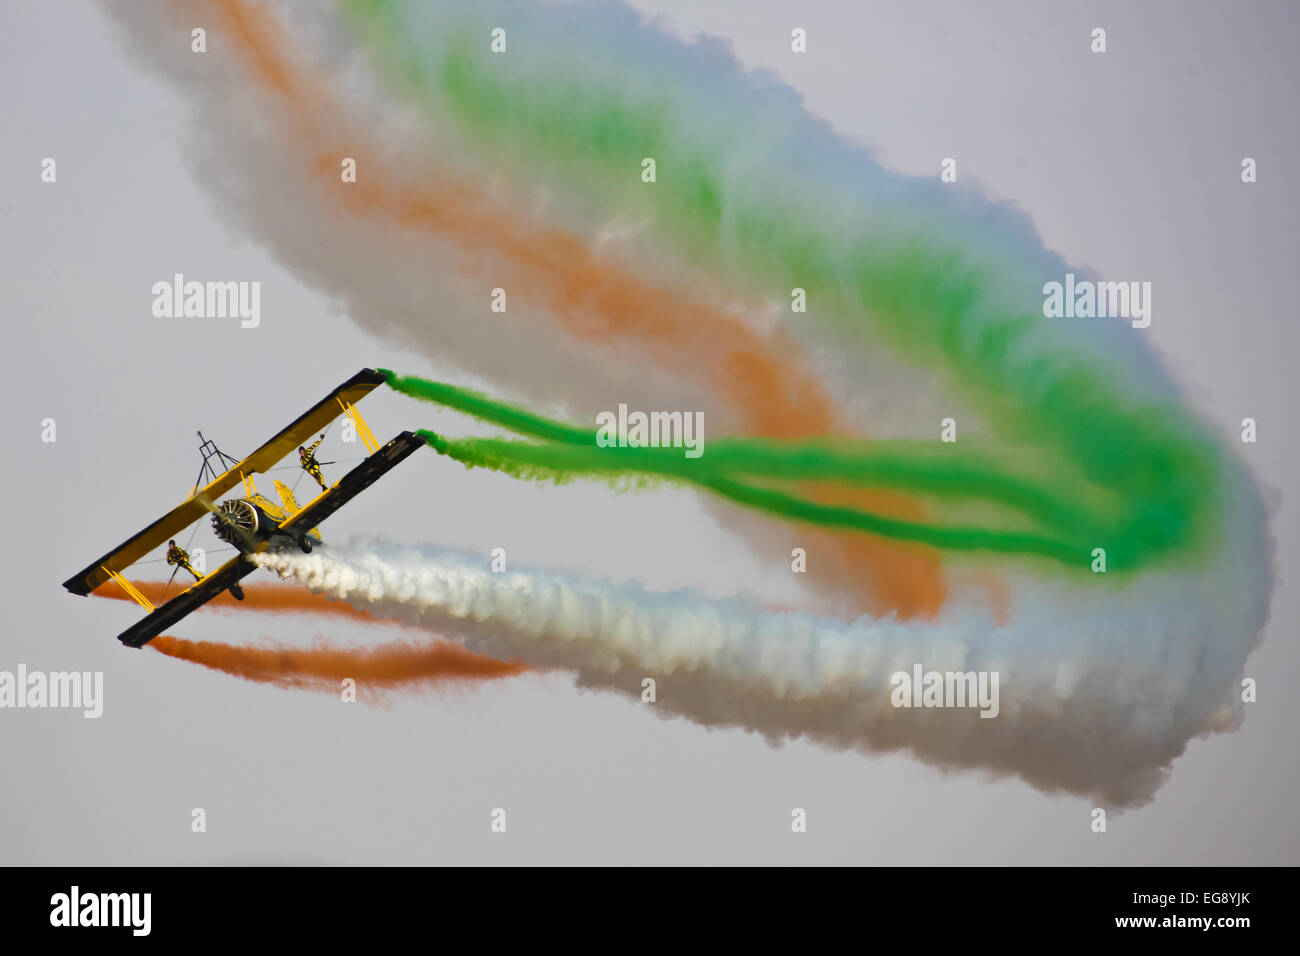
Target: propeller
x: 235, y: 522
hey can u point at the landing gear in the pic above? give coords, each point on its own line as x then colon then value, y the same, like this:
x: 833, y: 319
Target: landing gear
x: 304, y: 543
x: 237, y: 591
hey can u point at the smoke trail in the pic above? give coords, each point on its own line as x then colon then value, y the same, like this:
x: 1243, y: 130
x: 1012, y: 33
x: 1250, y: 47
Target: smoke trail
x: 925, y: 302
x: 389, y: 667
x: 1066, y: 531
x: 1086, y: 705
x: 408, y: 217
x: 596, y: 297
x: 393, y: 666
x: 890, y: 279
x: 268, y: 598
x: 563, y: 463
x: 758, y: 187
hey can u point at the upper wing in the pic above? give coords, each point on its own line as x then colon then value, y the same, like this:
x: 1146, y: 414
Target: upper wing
x: 307, y: 424
x: 137, y: 546
x: 181, y: 517
x: 153, y: 624
x: 353, y: 483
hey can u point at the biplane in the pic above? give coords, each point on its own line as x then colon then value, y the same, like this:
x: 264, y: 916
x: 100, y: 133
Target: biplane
x: 252, y: 523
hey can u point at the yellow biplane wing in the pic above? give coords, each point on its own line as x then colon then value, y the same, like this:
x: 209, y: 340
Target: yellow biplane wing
x: 193, y: 597
x: 337, y: 402
x: 374, y: 467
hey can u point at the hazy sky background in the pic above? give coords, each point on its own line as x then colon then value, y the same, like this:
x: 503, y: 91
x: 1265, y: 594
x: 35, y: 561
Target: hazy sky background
x: 1128, y: 163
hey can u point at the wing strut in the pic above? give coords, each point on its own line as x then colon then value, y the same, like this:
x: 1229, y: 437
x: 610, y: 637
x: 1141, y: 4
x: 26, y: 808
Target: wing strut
x: 363, y: 429
x: 130, y: 589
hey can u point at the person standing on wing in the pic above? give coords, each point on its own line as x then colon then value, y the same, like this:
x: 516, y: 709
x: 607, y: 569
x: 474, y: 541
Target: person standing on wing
x: 179, y: 556
x: 307, y: 457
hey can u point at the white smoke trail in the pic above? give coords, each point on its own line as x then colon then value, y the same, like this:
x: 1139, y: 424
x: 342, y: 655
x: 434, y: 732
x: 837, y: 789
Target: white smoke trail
x: 1095, y: 702
x: 1100, y: 691
x: 424, y: 292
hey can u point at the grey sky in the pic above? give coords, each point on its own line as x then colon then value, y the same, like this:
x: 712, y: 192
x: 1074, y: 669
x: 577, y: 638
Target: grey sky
x: 1127, y: 163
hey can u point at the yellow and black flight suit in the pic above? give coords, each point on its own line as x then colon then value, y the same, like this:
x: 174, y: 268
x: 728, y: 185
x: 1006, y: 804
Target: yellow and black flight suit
x: 179, y: 556
x: 308, y: 458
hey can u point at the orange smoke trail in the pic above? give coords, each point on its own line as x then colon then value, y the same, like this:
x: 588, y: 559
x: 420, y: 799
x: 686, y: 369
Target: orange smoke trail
x: 387, y: 667
x: 600, y: 301
x: 596, y: 299
x: 272, y: 598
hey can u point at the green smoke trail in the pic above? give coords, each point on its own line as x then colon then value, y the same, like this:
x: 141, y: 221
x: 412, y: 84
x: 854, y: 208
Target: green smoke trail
x: 888, y: 276
x: 1063, y: 527
x: 482, y: 407
x: 566, y: 463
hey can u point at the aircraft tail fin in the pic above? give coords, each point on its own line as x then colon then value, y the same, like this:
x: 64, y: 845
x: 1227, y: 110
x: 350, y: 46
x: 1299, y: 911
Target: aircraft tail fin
x: 291, y: 506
